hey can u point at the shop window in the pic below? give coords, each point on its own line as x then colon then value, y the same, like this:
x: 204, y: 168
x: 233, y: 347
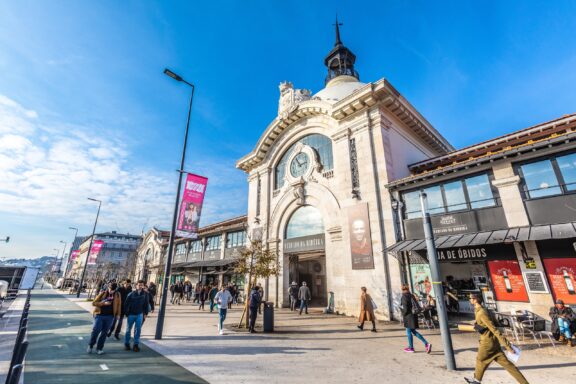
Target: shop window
x: 479, y: 192
x: 196, y: 246
x: 321, y: 144
x: 236, y: 239
x: 567, y: 166
x: 454, y: 193
x: 213, y: 242
x: 435, y: 200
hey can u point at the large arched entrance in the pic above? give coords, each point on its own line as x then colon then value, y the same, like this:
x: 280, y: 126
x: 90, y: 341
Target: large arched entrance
x: 305, y: 250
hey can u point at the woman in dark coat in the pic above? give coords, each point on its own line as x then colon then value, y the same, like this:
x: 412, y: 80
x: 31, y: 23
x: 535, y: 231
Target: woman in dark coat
x: 366, y: 310
x: 410, y: 316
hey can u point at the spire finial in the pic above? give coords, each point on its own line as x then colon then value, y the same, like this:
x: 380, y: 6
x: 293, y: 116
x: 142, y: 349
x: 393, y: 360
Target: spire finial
x: 337, y: 24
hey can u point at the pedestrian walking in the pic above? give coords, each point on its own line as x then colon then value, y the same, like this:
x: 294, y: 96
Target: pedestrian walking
x: 116, y: 327
x: 202, y: 298
x: 410, y: 310
x: 211, y: 296
x: 179, y: 292
x: 136, y: 309
x: 304, y: 296
x: 108, y: 306
x: 366, y: 310
x: 491, y: 343
x: 152, y: 291
x: 231, y: 291
x: 172, y: 293
x: 187, y: 290
x: 223, y: 297
x: 253, y: 306
x: 293, y: 294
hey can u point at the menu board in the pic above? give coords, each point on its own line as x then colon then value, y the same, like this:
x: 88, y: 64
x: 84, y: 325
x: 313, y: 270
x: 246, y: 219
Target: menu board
x: 562, y: 278
x: 535, y: 281
x: 507, y: 280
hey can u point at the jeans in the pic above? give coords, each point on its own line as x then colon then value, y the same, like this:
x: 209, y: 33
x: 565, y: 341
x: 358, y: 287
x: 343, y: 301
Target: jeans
x: 211, y: 305
x: 102, y: 324
x: 303, y: 304
x: 253, y: 316
x: 293, y: 301
x: 564, y: 326
x: 409, y: 333
x: 138, y: 319
x: 222, y: 318
x: 201, y: 306
x: 116, y: 326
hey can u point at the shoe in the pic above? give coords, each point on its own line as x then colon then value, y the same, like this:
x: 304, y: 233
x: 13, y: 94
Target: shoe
x: 428, y: 348
x: 409, y: 350
x: 127, y: 347
x: 136, y: 348
x: 108, y: 334
x: 562, y: 339
x: 221, y: 332
x: 117, y: 337
x: 373, y: 330
x: 99, y: 352
x: 360, y: 327
x: 89, y: 349
x: 472, y: 381
x: 572, y: 343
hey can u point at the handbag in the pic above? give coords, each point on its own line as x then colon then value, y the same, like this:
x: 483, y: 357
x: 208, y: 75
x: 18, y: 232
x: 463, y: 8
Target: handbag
x: 374, y: 306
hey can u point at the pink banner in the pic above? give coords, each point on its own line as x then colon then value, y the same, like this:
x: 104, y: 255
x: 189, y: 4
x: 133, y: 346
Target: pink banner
x: 74, y: 255
x: 96, y: 247
x: 191, y: 206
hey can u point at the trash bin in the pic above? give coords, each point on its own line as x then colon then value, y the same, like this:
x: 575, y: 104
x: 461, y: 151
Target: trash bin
x: 268, y: 320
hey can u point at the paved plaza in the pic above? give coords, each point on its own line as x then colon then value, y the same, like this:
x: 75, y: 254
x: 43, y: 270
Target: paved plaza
x: 326, y: 349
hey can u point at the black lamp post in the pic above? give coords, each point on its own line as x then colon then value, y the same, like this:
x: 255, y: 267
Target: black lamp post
x: 168, y: 265
x: 89, y: 247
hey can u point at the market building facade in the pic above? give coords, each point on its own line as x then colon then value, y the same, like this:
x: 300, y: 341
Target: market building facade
x: 316, y: 185
x: 503, y: 215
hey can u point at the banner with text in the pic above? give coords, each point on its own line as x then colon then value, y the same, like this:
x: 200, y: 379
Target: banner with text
x: 191, y: 206
x: 507, y: 280
x: 96, y: 247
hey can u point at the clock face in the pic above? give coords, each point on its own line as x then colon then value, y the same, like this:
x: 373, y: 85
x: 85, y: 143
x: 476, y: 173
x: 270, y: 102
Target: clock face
x: 299, y: 164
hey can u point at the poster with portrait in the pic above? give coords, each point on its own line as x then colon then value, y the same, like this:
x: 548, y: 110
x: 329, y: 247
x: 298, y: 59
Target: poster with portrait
x: 561, y: 274
x: 421, y: 279
x: 191, y: 206
x: 94, y: 251
x: 360, y: 239
x: 507, y: 280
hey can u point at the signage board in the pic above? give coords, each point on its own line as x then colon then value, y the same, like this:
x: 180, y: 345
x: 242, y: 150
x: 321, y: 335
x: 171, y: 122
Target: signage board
x: 535, y: 282
x: 562, y: 278
x: 507, y: 280
x: 304, y: 244
x: 29, y: 279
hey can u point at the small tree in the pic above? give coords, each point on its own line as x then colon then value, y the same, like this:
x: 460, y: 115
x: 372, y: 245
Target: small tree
x: 256, y: 262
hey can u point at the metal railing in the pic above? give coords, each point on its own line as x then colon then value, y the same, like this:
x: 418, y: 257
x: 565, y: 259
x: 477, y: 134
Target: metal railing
x: 20, y: 347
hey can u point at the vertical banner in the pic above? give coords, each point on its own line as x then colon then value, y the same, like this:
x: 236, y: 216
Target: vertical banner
x: 191, y: 206
x: 507, y: 280
x: 96, y: 247
x: 74, y: 255
x: 562, y: 278
x: 360, y: 239
x: 421, y: 279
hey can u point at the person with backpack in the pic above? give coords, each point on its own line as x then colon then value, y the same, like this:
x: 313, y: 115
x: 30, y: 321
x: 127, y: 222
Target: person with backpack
x: 410, y: 311
x: 366, y: 310
x: 254, y: 304
x: 491, y: 343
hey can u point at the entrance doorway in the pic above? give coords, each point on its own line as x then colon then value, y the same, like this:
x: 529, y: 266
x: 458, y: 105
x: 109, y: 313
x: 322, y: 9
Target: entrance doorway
x: 310, y: 268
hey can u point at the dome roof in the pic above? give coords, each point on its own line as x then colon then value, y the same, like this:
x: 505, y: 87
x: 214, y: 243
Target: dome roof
x: 338, y: 88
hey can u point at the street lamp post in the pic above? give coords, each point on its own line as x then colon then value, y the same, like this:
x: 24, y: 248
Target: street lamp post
x: 168, y: 266
x: 63, y: 253
x: 70, y: 253
x: 89, y: 247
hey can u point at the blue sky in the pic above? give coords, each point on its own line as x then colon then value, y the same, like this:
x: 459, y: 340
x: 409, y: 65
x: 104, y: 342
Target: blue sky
x: 85, y: 110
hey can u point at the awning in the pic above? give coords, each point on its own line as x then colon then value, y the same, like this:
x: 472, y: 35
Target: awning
x: 537, y: 232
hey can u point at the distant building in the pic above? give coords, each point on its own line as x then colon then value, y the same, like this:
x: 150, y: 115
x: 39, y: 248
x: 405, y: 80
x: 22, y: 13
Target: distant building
x: 206, y: 259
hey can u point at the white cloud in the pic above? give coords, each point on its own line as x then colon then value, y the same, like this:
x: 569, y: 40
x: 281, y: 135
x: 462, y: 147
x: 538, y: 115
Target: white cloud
x: 48, y: 172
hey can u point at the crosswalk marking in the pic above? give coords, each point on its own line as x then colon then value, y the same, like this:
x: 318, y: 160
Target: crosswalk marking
x: 104, y: 367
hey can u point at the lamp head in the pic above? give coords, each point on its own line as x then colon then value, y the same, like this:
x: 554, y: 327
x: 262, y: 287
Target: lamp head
x: 172, y: 75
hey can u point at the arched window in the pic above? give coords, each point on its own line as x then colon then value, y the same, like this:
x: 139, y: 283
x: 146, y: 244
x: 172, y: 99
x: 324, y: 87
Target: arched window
x: 305, y: 221
x: 321, y: 144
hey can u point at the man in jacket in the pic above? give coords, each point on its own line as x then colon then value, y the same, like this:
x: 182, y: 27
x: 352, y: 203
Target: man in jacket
x: 255, y: 300
x: 108, y: 307
x: 117, y: 323
x: 293, y: 294
x: 136, y: 309
x: 304, y: 296
x: 223, y: 297
x: 491, y: 342
x: 563, y: 322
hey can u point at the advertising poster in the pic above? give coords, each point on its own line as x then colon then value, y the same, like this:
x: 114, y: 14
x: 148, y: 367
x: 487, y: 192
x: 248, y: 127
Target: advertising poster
x: 507, y: 280
x: 562, y: 278
x: 191, y: 206
x: 96, y: 247
x: 421, y: 279
x: 360, y: 239
x: 74, y: 255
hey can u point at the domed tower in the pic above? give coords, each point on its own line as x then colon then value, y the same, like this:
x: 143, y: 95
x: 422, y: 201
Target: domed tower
x: 340, y: 60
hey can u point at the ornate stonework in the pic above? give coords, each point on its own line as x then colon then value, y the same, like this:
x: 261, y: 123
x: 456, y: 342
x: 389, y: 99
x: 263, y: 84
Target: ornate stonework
x: 290, y: 98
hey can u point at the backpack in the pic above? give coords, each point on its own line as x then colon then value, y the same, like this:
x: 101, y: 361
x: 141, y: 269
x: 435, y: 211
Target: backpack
x: 416, y: 308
